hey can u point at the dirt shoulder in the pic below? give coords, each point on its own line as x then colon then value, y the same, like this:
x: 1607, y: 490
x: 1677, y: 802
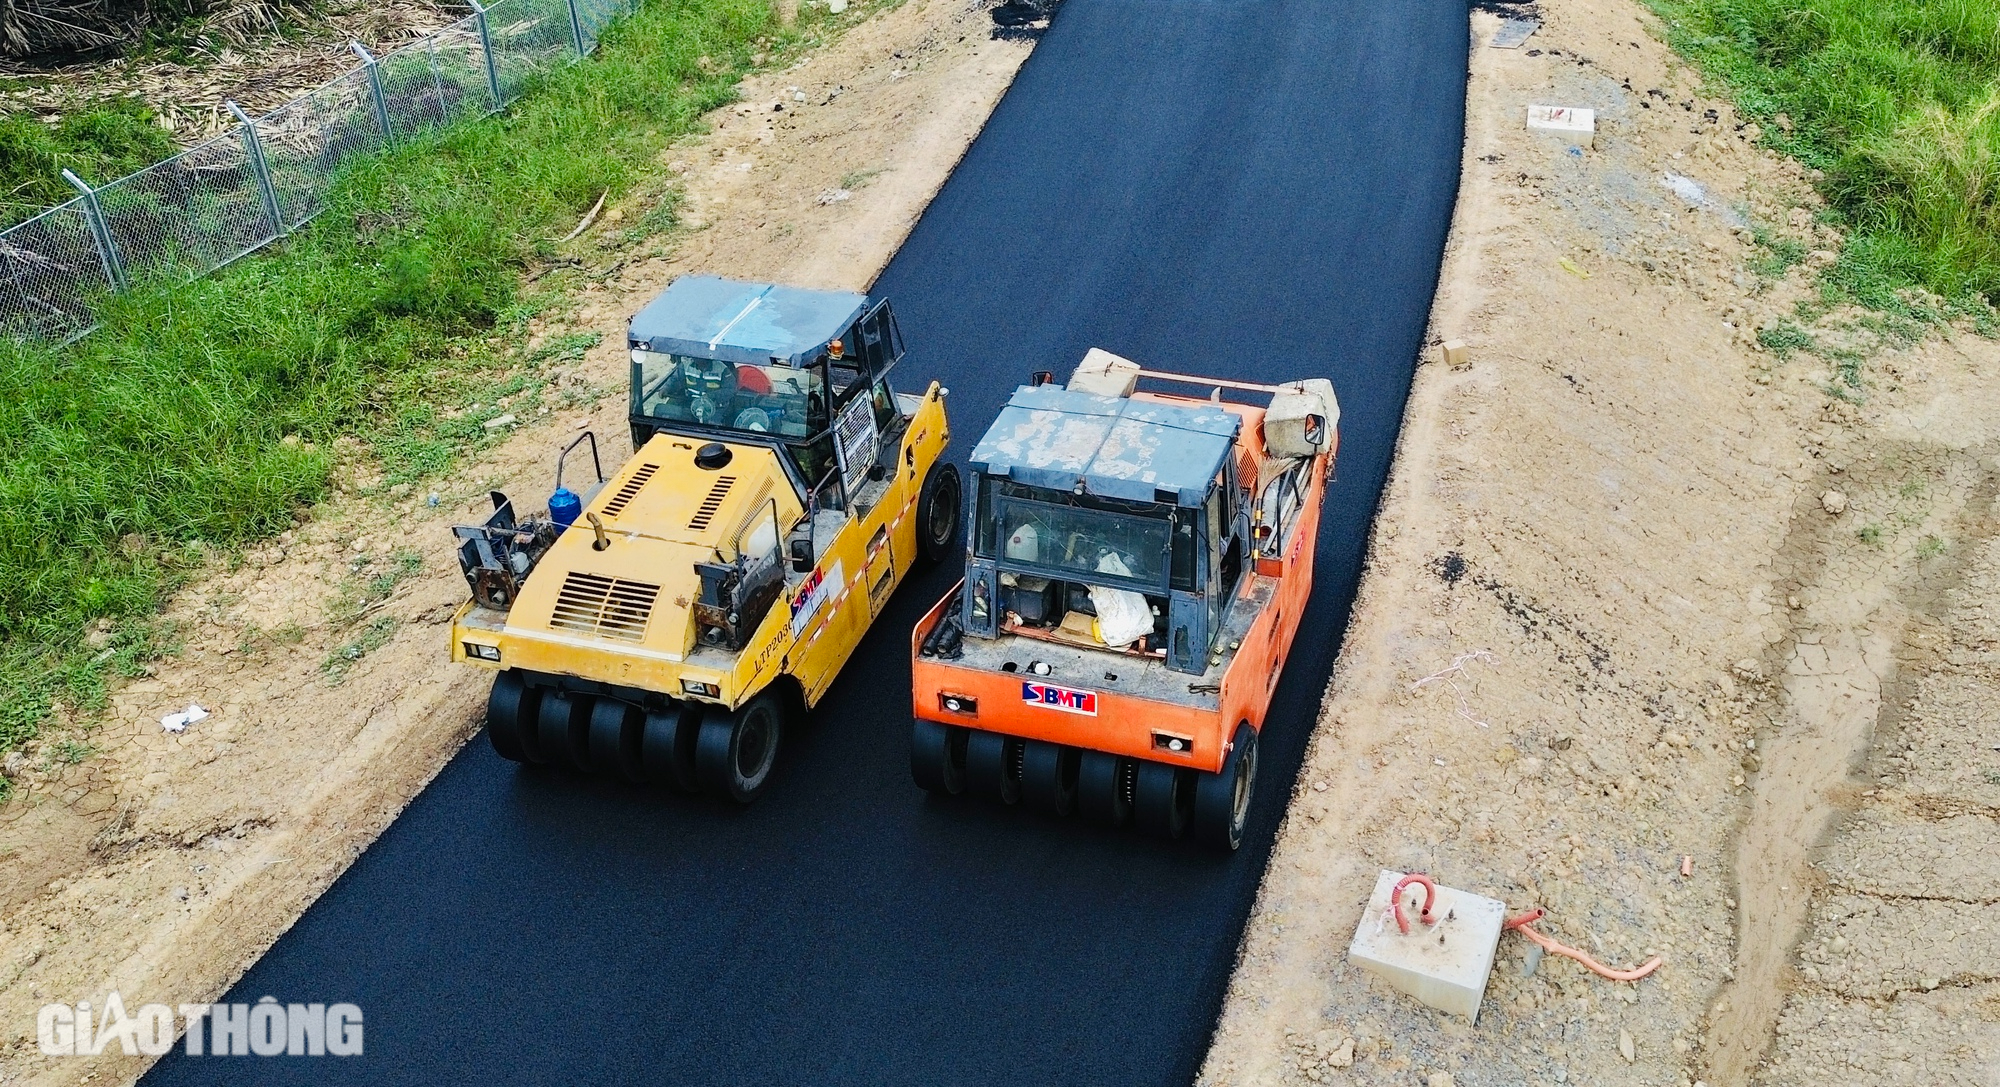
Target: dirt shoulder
x: 165, y: 864
x: 1643, y: 590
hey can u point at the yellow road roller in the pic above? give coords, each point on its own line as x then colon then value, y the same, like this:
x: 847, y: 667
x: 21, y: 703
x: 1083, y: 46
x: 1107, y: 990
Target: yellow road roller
x: 665, y: 623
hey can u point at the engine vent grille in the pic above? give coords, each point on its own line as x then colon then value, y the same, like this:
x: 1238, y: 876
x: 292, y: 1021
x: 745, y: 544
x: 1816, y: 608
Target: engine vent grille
x: 630, y: 490
x: 705, y: 513
x: 607, y: 607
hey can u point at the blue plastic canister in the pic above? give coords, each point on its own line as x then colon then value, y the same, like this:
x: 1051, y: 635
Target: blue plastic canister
x: 565, y: 507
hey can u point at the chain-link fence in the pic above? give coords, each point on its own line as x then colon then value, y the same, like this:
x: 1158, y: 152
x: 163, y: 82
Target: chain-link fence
x: 266, y: 176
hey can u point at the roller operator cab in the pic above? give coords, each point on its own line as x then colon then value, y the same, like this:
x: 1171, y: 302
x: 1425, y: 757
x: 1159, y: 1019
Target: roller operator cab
x: 665, y: 622
x: 1136, y: 566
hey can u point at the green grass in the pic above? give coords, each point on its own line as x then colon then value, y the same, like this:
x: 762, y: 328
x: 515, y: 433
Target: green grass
x: 202, y: 416
x: 1898, y: 103
x: 100, y: 144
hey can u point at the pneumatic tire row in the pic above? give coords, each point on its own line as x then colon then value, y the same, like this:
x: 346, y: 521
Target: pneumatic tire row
x: 687, y: 747
x: 1112, y: 790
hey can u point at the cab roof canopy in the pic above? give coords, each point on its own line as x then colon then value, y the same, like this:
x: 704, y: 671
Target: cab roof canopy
x: 1117, y: 447
x: 715, y: 318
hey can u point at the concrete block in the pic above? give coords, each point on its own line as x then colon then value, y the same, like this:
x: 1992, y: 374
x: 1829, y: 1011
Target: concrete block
x: 1104, y: 374
x: 1443, y: 965
x: 1574, y: 125
x: 1287, y: 430
x: 1455, y: 354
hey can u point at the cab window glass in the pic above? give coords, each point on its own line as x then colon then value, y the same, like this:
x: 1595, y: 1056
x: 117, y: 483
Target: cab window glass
x: 775, y: 400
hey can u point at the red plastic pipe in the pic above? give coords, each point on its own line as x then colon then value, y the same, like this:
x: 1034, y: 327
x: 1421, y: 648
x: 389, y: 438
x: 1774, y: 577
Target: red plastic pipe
x: 1525, y: 925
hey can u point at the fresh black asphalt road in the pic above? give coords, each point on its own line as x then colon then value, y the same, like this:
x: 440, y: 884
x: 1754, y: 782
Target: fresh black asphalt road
x: 1254, y: 189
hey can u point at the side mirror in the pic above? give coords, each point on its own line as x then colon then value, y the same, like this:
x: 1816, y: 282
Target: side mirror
x: 801, y: 547
x: 1316, y: 430
x: 1041, y: 377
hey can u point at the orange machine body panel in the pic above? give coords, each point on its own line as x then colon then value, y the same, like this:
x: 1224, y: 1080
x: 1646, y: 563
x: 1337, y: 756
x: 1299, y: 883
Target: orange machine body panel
x: 1143, y: 704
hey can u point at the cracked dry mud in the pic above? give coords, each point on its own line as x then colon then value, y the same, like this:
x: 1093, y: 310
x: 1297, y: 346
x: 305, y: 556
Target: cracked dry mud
x: 165, y: 865
x: 1641, y: 591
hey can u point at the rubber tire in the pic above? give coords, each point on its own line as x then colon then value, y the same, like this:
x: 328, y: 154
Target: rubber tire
x: 511, y: 711
x: 1104, y: 788
x: 1048, y: 776
x: 1222, y: 800
x: 562, y: 731
x: 937, y: 757
x: 734, y: 753
x: 993, y: 766
x: 939, y: 503
x: 1162, y: 800
x: 616, y: 730
x: 666, y: 746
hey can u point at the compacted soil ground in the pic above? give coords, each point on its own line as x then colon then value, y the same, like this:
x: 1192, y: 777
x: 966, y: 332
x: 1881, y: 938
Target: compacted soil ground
x: 1685, y: 641
x: 163, y: 865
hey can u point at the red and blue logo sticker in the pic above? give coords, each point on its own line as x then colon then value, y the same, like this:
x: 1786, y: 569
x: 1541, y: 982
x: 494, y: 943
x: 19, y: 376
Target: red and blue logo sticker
x: 1066, y: 699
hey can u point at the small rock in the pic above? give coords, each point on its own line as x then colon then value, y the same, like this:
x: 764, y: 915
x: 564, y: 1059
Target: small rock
x: 1505, y: 755
x: 12, y: 767
x: 1931, y: 984
x: 1319, y: 786
x: 1749, y: 670
x: 1627, y: 1048
x: 1822, y: 258
x: 499, y: 421
x: 836, y: 6
x: 181, y: 894
x: 1343, y: 1055
x: 832, y: 196
x: 360, y: 545
x: 400, y: 490
x: 1441, y: 1079
x: 1833, y: 502
x: 97, y: 639
x: 432, y: 499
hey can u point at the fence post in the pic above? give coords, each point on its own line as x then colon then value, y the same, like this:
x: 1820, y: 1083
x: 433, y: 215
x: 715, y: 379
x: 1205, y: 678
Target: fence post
x: 576, y: 29
x: 486, y: 47
x: 255, y: 147
x: 375, y: 90
x: 100, y: 232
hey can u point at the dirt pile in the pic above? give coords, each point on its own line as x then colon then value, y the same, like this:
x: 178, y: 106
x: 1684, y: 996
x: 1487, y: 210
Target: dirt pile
x: 1645, y: 592
x: 164, y: 865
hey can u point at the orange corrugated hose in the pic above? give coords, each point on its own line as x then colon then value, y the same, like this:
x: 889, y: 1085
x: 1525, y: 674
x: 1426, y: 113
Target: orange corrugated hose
x: 1525, y: 925
x: 1396, y: 900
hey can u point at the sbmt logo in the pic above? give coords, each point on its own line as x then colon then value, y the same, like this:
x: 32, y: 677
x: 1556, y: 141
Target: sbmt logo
x: 1066, y: 699
x: 265, y: 1029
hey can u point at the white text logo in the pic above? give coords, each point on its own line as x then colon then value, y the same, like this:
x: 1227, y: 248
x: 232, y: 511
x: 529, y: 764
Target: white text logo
x: 264, y: 1029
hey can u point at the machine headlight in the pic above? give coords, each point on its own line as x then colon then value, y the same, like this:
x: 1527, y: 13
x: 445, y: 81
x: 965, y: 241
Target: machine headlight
x: 482, y: 652
x: 697, y: 687
x: 641, y: 356
x: 958, y: 703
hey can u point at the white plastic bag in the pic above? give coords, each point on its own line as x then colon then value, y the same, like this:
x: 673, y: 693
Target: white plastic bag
x: 178, y: 722
x: 1123, y: 616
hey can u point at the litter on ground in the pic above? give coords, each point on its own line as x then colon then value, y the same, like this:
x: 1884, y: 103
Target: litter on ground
x: 180, y: 720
